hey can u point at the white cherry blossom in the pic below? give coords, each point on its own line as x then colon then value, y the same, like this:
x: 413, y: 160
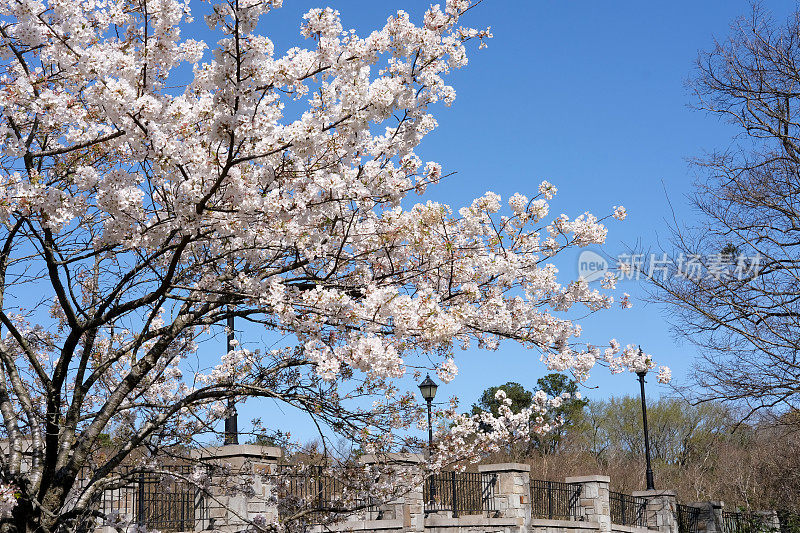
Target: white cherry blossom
x: 153, y: 185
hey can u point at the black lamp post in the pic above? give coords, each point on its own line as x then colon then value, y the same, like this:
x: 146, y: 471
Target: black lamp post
x: 649, y: 470
x: 232, y: 420
x: 428, y: 389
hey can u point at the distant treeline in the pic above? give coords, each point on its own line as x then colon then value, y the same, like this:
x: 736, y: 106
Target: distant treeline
x: 703, y: 452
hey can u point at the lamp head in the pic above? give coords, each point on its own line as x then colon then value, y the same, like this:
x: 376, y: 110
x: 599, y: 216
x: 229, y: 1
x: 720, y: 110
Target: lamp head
x: 428, y: 388
x: 642, y: 373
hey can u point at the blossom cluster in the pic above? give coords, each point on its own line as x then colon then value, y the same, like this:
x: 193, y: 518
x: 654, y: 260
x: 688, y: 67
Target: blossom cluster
x: 269, y: 186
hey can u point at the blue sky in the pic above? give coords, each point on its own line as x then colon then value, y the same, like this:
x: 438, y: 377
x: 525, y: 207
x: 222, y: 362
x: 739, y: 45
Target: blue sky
x: 590, y: 96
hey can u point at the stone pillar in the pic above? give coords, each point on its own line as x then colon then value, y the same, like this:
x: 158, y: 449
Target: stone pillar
x: 412, y: 510
x: 661, y: 512
x: 409, y: 506
x: 512, y: 490
x: 769, y: 520
x: 239, y: 491
x: 710, y: 520
x: 594, y: 504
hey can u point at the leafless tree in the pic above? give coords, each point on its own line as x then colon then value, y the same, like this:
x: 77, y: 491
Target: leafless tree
x: 732, y: 284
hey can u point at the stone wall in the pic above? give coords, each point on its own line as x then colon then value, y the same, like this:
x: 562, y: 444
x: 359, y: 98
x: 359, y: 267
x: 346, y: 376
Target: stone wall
x: 512, y: 496
x: 241, y: 493
x: 593, y: 503
x: 662, y: 509
x: 710, y: 520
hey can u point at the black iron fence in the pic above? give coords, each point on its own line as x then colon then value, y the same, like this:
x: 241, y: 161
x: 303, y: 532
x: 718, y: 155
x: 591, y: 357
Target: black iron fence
x: 745, y: 522
x: 688, y: 518
x: 460, y: 493
x: 311, y: 489
x: 165, y: 500
x: 789, y: 521
x: 627, y: 510
x: 554, y: 500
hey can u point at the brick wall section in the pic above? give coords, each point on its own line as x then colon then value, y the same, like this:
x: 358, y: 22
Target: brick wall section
x: 662, y: 509
x: 593, y: 504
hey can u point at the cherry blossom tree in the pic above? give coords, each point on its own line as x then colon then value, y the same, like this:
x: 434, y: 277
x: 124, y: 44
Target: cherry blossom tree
x: 142, y: 207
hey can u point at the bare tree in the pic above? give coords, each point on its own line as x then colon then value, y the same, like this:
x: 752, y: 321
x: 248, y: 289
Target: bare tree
x: 732, y: 287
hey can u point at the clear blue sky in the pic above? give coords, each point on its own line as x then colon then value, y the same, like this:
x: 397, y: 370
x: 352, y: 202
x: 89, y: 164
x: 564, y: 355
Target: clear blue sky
x: 588, y: 95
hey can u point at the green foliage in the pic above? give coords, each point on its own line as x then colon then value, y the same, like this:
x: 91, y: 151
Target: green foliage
x: 569, y: 412
x: 105, y: 440
x: 678, y: 430
x: 554, y: 385
x: 520, y: 397
x: 790, y: 522
x: 264, y: 437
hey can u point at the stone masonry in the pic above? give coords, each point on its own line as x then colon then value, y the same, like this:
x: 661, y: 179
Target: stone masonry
x: 241, y: 493
x: 594, y: 504
x: 661, y: 510
x: 512, y: 491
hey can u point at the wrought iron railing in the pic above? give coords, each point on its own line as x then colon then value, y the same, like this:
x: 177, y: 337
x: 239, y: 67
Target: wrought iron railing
x: 460, y: 493
x: 312, y: 489
x: 744, y: 522
x: 627, y: 510
x: 554, y: 500
x: 789, y: 521
x: 688, y: 518
x: 164, y: 500
x: 168, y: 502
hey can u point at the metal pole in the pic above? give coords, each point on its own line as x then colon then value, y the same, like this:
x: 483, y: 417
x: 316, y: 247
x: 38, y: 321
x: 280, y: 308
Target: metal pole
x: 623, y: 506
x: 649, y: 470
x: 140, y: 503
x: 430, y: 451
x: 184, y: 495
x: 430, y: 431
x: 455, y: 493
x: 232, y: 421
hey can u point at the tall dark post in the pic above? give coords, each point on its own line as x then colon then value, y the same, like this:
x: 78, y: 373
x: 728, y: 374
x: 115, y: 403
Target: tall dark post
x: 430, y: 429
x: 649, y: 470
x: 428, y: 390
x: 140, y: 518
x: 430, y: 448
x: 232, y: 421
x: 454, y: 495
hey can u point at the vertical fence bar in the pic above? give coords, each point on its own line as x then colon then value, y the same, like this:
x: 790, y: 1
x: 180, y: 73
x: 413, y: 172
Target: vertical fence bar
x: 183, y: 499
x: 455, y: 493
x: 320, y: 488
x: 140, y: 503
x: 624, y: 513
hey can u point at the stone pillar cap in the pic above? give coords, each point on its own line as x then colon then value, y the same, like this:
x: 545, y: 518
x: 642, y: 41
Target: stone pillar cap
x: 653, y: 493
x: 245, y: 451
x: 504, y: 467
x: 392, y: 458
x: 718, y: 504
x: 597, y: 478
